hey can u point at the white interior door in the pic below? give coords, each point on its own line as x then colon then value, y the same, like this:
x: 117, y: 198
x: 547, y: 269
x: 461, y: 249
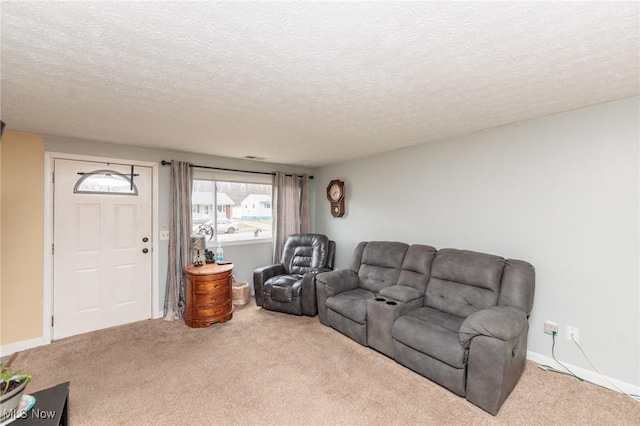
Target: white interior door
x: 102, y: 263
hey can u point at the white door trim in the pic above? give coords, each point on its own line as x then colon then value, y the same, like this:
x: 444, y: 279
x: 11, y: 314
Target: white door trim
x: 47, y: 293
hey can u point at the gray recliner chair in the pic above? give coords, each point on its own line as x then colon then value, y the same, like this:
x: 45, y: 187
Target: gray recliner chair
x: 289, y: 286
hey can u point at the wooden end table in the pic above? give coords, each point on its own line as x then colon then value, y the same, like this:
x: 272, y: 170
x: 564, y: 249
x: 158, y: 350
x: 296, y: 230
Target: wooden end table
x: 208, y: 294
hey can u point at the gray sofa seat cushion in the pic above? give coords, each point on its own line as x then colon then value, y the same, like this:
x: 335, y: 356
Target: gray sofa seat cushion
x: 351, y: 304
x: 283, y: 288
x: 463, y: 282
x: 401, y: 293
x: 433, y: 333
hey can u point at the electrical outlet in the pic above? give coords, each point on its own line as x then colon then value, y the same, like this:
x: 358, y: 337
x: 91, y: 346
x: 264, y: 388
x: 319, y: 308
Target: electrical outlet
x: 550, y: 327
x: 164, y: 234
x: 575, y: 331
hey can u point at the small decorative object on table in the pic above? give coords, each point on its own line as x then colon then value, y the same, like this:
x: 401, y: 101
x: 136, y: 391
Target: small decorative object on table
x: 209, y: 257
x: 197, y: 244
x: 219, y: 253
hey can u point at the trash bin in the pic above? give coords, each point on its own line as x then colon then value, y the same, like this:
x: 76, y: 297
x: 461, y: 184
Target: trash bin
x: 240, y: 291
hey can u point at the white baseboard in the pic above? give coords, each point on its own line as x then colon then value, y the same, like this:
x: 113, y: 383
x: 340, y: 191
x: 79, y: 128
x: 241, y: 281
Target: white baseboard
x: 12, y: 348
x: 588, y: 375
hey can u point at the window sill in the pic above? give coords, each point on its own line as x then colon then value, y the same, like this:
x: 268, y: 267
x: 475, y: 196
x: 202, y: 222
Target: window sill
x: 212, y: 245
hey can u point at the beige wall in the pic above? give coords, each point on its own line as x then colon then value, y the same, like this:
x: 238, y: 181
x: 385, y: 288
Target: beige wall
x: 22, y: 232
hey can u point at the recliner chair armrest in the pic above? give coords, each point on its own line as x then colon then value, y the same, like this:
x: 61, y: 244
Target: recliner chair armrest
x: 261, y: 275
x: 339, y: 281
x: 308, y: 292
x: 501, y: 322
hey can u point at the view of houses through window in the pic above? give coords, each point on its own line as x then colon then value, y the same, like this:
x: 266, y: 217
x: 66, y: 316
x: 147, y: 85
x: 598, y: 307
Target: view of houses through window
x: 240, y: 211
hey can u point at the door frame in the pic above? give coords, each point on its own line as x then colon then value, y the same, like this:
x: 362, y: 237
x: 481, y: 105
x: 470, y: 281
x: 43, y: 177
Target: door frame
x: 47, y: 294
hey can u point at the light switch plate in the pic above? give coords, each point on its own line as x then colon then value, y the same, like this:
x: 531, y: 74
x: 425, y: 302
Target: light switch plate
x: 164, y: 234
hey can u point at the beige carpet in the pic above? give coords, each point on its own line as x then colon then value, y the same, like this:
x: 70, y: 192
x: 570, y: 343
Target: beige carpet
x: 264, y: 367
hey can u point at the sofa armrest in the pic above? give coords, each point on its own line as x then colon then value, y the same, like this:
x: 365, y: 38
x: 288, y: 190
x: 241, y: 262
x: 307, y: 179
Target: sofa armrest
x: 339, y: 281
x: 331, y: 283
x: 497, y: 342
x: 261, y: 275
x: 501, y: 322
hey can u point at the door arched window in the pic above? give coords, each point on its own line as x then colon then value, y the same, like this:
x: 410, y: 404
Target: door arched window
x: 105, y: 182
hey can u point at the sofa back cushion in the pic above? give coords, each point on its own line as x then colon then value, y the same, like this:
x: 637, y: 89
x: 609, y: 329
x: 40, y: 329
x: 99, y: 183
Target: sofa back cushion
x: 518, y: 285
x: 463, y: 282
x: 416, y: 267
x: 302, y: 252
x: 380, y: 264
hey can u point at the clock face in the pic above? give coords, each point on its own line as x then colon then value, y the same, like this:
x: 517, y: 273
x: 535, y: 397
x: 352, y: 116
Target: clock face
x: 335, y: 192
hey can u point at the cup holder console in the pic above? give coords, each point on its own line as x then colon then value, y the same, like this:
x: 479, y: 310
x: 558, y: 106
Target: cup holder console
x: 382, y: 313
x: 388, y: 302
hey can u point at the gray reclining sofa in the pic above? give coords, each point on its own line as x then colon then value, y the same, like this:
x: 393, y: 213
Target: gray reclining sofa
x: 457, y: 317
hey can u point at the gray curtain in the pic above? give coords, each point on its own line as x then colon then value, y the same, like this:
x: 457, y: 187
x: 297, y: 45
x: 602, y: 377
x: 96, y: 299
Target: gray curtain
x: 290, y: 209
x: 179, y: 239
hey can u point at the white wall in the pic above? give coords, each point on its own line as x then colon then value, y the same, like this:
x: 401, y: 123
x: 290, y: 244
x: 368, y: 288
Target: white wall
x: 561, y: 192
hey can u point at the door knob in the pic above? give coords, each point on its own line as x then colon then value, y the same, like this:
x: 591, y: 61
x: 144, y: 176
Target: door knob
x: 145, y: 250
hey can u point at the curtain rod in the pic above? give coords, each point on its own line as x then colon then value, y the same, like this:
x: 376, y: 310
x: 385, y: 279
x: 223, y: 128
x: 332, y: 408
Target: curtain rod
x: 166, y: 163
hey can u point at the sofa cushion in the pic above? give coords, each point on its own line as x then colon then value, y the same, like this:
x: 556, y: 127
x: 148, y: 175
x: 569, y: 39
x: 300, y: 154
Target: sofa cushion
x: 351, y: 304
x: 416, y: 266
x: 518, y: 285
x: 463, y: 282
x: 433, y: 333
x: 381, y: 264
x: 401, y: 293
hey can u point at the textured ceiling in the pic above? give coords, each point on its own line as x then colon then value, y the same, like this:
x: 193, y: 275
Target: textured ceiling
x: 306, y: 83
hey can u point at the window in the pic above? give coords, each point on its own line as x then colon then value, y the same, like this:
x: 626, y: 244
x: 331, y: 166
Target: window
x: 237, y: 208
x: 105, y: 182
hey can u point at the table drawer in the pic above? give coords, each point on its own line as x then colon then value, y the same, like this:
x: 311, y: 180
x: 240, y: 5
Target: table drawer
x: 211, y: 311
x: 212, y: 299
x: 211, y: 286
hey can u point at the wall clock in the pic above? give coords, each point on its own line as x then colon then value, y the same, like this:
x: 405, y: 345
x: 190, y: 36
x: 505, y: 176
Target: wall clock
x: 335, y: 195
